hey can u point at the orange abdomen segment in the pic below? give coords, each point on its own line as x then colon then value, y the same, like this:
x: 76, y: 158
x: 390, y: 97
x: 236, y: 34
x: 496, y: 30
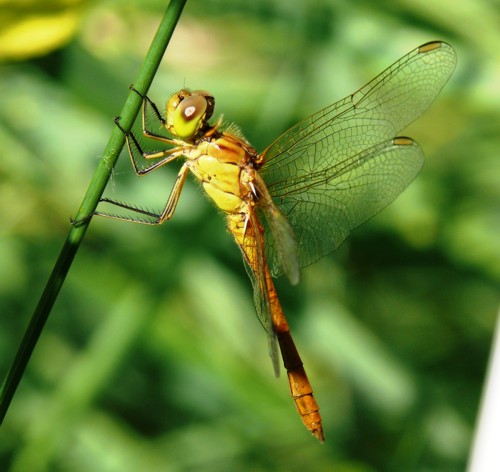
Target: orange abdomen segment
x: 300, y: 387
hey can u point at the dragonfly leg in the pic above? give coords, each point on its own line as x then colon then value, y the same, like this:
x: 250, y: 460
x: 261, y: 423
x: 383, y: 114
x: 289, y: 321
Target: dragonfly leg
x: 146, y: 101
x: 135, y: 150
x: 173, y: 199
x: 156, y: 218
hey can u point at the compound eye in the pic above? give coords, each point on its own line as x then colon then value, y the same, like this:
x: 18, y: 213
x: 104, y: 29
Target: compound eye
x: 189, y: 116
x: 210, y: 101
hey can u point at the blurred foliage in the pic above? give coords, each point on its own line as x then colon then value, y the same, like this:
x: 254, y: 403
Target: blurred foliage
x: 153, y: 358
x: 31, y: 28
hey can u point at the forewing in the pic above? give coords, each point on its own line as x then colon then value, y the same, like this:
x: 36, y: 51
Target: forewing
x: 324, y: 209
x: 320, y: 171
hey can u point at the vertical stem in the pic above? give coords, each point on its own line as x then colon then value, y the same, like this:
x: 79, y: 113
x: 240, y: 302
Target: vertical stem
x: 89, y: 204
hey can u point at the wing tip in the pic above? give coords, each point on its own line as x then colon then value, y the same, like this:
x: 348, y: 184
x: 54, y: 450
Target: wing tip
x: 430, y: 46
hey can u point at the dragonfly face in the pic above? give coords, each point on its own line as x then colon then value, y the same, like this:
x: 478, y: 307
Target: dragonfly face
x: 314, y: 184
x: 188, y: 112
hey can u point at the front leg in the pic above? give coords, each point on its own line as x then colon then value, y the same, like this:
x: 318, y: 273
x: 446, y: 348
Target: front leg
x: 158, y: 117
x: 135, y: 150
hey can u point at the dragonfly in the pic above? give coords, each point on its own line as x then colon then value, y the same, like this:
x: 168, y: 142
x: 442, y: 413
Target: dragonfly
x: 299, y: 198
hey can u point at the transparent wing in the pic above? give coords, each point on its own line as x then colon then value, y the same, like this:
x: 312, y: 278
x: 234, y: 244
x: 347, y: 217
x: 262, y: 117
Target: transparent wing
x: 334, y: 170
x: 255, y: 263
x: 281, y: 232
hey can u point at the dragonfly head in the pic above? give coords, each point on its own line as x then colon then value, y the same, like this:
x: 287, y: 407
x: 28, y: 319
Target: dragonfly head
x: 188, y: 112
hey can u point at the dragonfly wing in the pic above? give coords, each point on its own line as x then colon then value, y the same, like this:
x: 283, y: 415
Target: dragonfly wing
x: 325, y: 209
x: 262, y: 307
x: 255, y: 264
x: 283, y: 236
x: 308, y: 169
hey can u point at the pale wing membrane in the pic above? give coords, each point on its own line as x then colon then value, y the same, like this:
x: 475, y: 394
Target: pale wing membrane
x: 283, y: 234
x: 284, y: 241
x: 260, y: 292
x: 320, y: 171
x: 324, y: 210
x: 262, y: 308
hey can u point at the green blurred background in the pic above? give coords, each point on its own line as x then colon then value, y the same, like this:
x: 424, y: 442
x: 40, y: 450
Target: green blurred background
x: 153, y: 358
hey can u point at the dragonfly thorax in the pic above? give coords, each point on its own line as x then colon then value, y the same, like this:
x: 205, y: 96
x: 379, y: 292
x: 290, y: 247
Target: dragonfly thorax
x: 187, y: 113
x: 223, y: 164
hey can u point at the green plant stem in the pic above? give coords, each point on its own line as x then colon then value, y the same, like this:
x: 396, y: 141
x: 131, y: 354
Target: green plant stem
x: 89, y: 204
